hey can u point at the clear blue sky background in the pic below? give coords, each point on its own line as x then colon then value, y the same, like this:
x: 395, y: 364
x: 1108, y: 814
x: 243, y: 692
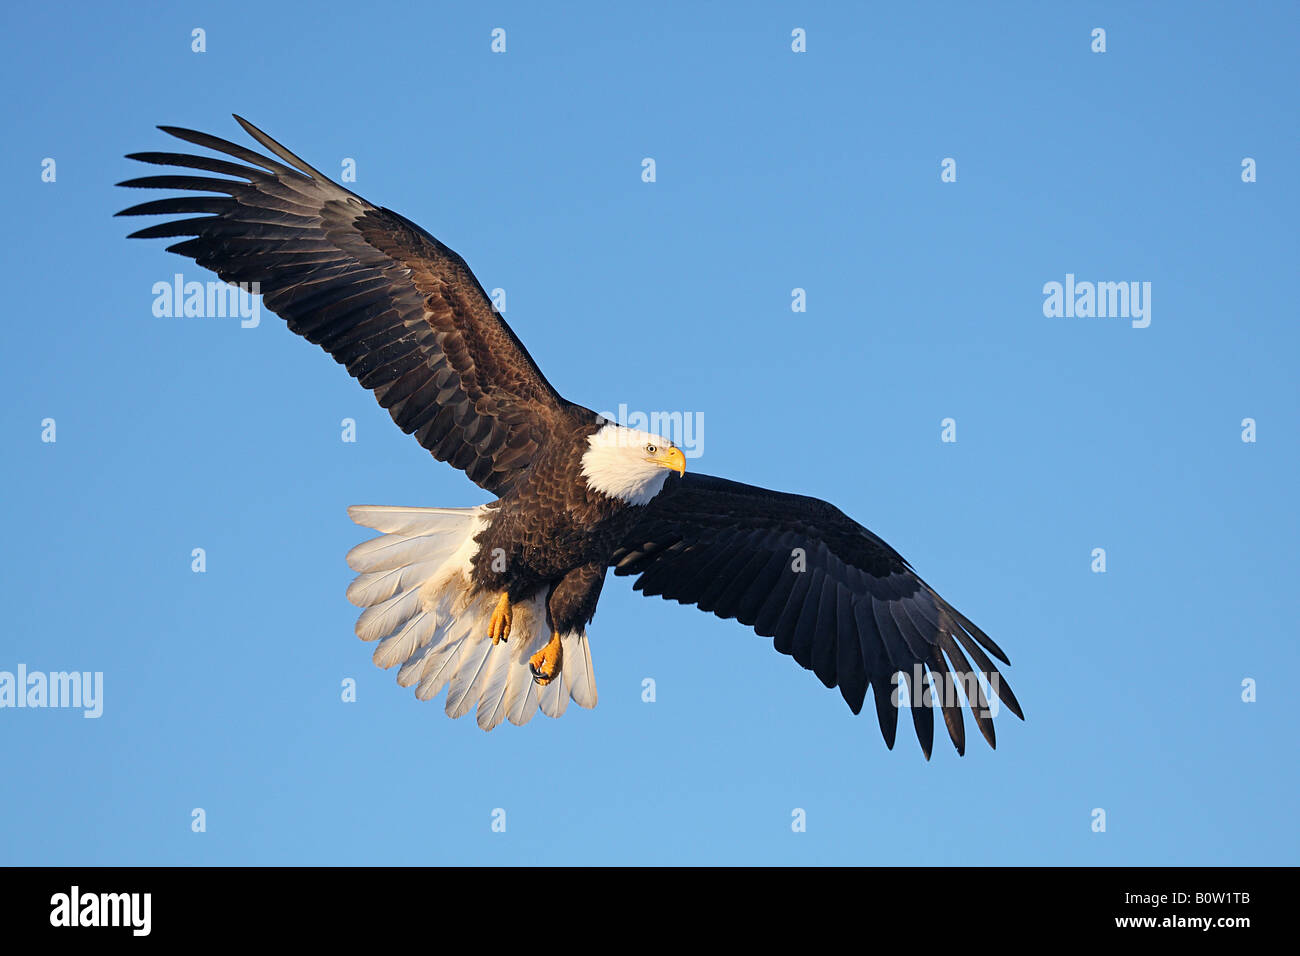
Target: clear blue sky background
x: 776, y: 170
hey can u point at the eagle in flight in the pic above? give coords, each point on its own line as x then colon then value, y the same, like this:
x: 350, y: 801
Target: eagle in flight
x: 492, y: 603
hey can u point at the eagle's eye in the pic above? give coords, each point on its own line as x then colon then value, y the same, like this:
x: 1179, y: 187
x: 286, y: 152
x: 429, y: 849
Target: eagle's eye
x: 651, y: 449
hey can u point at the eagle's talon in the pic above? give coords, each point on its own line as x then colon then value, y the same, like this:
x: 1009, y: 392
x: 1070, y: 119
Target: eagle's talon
x: 545, y: 664
x: 499, y: 626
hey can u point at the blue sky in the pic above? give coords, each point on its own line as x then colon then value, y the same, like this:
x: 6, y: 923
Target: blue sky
x: 775, y: 170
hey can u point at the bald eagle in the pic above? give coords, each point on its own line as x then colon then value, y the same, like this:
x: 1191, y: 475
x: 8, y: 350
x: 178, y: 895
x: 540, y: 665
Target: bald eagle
x: 492, y: 603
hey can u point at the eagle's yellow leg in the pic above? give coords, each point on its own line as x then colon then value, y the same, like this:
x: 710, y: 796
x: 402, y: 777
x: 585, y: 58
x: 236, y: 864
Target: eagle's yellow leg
x: 546, y: 663
x: 499, y: 626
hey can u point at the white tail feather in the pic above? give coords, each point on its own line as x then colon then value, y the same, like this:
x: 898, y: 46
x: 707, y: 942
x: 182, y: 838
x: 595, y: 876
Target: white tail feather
x: 578, y: 672
x: 368, y: 589
x: 420, y: 606
x: 553, y: 698
x: 402, y: 645
x: 386, y: 617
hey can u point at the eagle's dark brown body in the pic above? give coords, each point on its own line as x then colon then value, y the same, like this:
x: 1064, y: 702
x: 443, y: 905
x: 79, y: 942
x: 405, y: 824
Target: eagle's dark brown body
x: 551, y: 530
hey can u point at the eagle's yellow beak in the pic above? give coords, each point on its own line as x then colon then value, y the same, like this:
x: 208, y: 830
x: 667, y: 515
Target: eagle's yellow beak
x: 673, y: 460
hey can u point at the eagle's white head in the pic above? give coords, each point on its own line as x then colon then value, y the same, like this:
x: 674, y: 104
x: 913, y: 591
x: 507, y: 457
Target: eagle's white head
x: 629, y: 465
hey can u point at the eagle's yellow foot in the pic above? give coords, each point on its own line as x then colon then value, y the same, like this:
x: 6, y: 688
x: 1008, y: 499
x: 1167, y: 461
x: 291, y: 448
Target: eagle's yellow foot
x: 499, y: 626
x: 546, y: 663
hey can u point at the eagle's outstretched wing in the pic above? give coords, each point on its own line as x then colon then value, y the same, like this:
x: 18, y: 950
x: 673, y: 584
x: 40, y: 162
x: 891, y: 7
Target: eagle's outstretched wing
x: 834, y: 596
x: 382, y: 296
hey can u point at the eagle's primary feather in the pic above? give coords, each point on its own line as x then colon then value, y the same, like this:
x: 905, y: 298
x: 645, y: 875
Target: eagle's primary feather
x: 576, y: 495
